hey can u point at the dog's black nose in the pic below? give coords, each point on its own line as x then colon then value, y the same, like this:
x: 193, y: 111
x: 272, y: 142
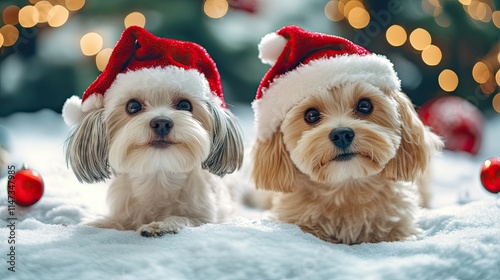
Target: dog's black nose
x: 161, y: 125
x: 342, y: 137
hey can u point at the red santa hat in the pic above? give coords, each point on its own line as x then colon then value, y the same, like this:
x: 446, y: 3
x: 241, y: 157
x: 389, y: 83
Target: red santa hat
x: 304, y: 63
x: 144, y: 61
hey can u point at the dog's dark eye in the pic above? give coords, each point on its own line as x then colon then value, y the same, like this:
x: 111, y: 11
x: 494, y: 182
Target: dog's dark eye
x: 311, y: 116
x: 184, y: 105
x: 133, y: 106
x: 364, y: 106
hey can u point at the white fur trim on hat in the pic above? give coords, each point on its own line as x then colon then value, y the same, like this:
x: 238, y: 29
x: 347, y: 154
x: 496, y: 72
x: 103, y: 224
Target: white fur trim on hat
x: 289, y: 89
x: 168, y: 78
x: 72, y: 110
x: 270, y: 48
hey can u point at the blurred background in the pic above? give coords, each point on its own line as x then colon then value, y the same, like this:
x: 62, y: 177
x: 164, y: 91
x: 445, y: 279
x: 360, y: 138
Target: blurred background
x: 52, y: 49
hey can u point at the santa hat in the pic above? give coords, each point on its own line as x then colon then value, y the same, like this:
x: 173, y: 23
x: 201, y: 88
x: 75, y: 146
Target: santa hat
x: 304, y: 63
x: 144, y: 61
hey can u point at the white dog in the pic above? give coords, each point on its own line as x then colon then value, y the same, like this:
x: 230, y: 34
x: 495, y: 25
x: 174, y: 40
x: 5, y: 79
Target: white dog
x: 166, y: 138
x: 345, y: 144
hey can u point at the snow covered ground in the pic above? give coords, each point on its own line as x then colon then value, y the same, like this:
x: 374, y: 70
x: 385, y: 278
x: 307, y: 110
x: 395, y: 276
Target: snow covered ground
x: 460, y: 239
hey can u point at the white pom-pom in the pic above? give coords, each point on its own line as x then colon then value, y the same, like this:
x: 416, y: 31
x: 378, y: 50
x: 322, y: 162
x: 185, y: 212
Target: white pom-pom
x: 72, y: 110
x: 270, y: 48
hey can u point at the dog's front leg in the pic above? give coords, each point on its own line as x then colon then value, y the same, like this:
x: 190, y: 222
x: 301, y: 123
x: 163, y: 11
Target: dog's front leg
x: 172, y: 224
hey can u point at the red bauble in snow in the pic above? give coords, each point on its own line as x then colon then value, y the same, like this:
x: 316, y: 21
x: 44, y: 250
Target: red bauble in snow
x: 25, y: 187
x: 456, y: 120
x: 490, y: 175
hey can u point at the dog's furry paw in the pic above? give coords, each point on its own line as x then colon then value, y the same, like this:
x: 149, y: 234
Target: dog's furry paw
x: 104, y: 223
x: 156, y: 229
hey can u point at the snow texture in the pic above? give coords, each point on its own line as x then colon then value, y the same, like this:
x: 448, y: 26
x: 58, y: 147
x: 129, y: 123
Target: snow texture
x: 460, y: 239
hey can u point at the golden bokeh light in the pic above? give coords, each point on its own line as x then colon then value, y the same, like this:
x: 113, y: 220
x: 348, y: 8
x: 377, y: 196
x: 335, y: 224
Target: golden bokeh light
x: 43, y: 8
x: 332, y: 11
x: 349, y: 6
x: 102, y: 58
x: 480, y: 72
x: 10, y: 34
x: 396, y: 35
x: 448, y: 80
x: 28, y: 16
x: 496, y: 102
x: 432, y: 55
x: 91, y: 43
x: 496, y: 18
x: 215, y: 8
x: 58, y: 16
x: 135, y: 18
x: 10, y: 15
x: 497, y: 77
x: 74, y: 5
x: 420, y: 39
x: 358, y: 18
x: 1, y: 40
x: 465, y: 2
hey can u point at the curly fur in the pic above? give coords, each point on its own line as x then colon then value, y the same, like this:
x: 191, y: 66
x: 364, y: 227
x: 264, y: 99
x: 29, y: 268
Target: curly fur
x: 368, y: 198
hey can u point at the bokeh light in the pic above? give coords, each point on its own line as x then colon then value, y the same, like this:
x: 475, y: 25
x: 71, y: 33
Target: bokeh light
x: 28, y: 16
x: 10, y: 34
x: 74, y: 5
x: 396, y: 35
x: 358, y: 18
x: 496, y: 18
x: 420, y: 39
x: 215, y: 8
x: 91, y: 43
x: 480, y: 72
x: 448, y: 80
x: 1, y: 40
x: 43, y: 8
x: 102, y: 58
x: 497, y: 77
x: 496, y: 102
x: 349, y: 6
x: 465, y: 2
x: 10, y: 15
x: 135, y: 18
x: 58, y: 16
x: 332, y: 11
x: 432, y: 55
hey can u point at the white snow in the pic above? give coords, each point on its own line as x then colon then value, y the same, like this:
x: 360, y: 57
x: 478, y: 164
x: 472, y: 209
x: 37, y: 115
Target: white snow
x: 460, y: 239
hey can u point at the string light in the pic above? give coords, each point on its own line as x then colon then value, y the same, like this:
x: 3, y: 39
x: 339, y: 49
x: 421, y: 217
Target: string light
x: 102, y: 58
x: 215, y: 8
x: 448, y: 80
x: 91, y: 43
x: 58, y: 16
x: 135, y: 18
x: 10, y: 34
x: 332, y: 11
x: 496, y: 102
x: 10, y: 15
x: 358, y: 18
x: 28, y: 16
x: 74, y: 5
x: 396, y: 35
x: 496, y: 18
x: 420, y: 39
x: 480, y: 72
x: 431, y: 55
x: 43, y: 8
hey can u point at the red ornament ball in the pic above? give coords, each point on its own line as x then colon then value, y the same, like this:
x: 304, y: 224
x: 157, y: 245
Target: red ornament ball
x: 457, y: 121
x: 27, y: 186
x: 490, y: 175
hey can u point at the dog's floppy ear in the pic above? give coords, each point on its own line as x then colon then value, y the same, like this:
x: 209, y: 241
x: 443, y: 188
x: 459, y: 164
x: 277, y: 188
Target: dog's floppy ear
x: 226, y: 151
x: 87, y: 149
x: 418, y: 144
x: 273, y: 169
